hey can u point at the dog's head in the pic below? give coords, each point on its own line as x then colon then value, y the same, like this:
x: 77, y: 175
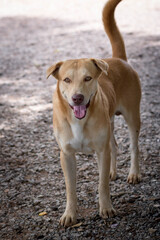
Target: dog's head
x: 78, y: 82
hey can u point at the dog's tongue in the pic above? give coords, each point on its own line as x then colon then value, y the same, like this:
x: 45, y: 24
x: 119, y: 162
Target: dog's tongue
x: 79, y: 111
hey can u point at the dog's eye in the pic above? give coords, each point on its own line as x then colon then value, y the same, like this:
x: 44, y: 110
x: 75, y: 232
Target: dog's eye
x: 87, y: 79
x: 67, y: 80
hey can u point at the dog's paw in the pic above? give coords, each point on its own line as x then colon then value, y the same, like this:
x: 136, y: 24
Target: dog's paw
x: 107, y: 212
x: 113, y: 175
x: 68, y: 219
x: 133, y: 178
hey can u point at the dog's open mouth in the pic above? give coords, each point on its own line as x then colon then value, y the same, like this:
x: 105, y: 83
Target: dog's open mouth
x: 80, y: 110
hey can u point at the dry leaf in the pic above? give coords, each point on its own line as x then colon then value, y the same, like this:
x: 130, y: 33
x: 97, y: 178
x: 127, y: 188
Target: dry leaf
x: 77, y: 225
x: 42, y: 213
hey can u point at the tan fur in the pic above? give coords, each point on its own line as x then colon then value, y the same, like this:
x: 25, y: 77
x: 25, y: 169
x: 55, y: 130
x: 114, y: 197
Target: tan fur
x: 114, y: 88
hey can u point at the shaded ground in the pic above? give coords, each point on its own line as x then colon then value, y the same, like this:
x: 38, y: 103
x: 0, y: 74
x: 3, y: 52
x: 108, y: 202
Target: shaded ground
x: 32, y: 38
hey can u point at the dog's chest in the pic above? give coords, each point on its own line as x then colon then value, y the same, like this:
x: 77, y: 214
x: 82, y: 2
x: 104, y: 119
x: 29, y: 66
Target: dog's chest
x: 80, y: 142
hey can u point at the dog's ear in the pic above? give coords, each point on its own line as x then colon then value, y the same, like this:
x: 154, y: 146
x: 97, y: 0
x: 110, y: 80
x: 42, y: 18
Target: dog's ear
x: 54, y: 70
x: 101, y: 65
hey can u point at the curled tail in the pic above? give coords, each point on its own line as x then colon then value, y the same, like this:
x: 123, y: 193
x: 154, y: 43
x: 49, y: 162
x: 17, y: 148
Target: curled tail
x: 118, y: 47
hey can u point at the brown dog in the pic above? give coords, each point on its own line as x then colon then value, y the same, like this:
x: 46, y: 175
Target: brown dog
x: 89, y: 93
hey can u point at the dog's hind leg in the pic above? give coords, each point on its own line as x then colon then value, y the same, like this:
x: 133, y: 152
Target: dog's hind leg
x: 132, y: 119
x: 113, y: 167
x: 106, y: 209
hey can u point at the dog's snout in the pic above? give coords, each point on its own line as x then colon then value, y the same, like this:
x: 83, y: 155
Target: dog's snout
x: 78, y: 98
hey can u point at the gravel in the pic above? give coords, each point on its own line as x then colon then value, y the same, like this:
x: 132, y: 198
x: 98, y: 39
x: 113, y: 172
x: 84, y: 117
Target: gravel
x: 31, y: 179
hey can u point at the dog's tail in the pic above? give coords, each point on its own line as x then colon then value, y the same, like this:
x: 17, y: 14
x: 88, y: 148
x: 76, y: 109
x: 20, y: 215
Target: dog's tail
x: 118, y: 47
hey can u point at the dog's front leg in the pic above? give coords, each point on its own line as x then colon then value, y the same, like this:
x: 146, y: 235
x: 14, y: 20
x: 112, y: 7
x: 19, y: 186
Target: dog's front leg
x: 68, y: 163
x: 106, y: 209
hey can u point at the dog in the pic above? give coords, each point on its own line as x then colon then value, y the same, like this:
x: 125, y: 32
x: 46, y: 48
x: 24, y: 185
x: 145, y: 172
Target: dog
x: 89, y: 93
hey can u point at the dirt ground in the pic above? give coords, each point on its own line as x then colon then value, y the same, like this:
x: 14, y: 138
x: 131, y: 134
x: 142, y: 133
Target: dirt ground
x: 34, y: 35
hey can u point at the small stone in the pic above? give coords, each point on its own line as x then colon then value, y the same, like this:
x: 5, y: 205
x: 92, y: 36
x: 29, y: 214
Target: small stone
x: 152, y: 230
x: 55, y: 208
x: 131, y: 200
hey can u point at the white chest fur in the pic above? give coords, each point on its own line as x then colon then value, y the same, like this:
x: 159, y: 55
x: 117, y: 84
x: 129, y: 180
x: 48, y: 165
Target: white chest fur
x: 79, y: 142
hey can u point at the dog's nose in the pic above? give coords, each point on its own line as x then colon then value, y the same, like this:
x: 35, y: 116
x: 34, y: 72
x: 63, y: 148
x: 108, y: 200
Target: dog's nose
x: 78, y: 98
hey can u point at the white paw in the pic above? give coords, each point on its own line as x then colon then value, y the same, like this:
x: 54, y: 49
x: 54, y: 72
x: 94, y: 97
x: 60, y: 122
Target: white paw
x: 134, y: 178
x: 106, y: 212
x: 69, y: 218
x: 113, y: 175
